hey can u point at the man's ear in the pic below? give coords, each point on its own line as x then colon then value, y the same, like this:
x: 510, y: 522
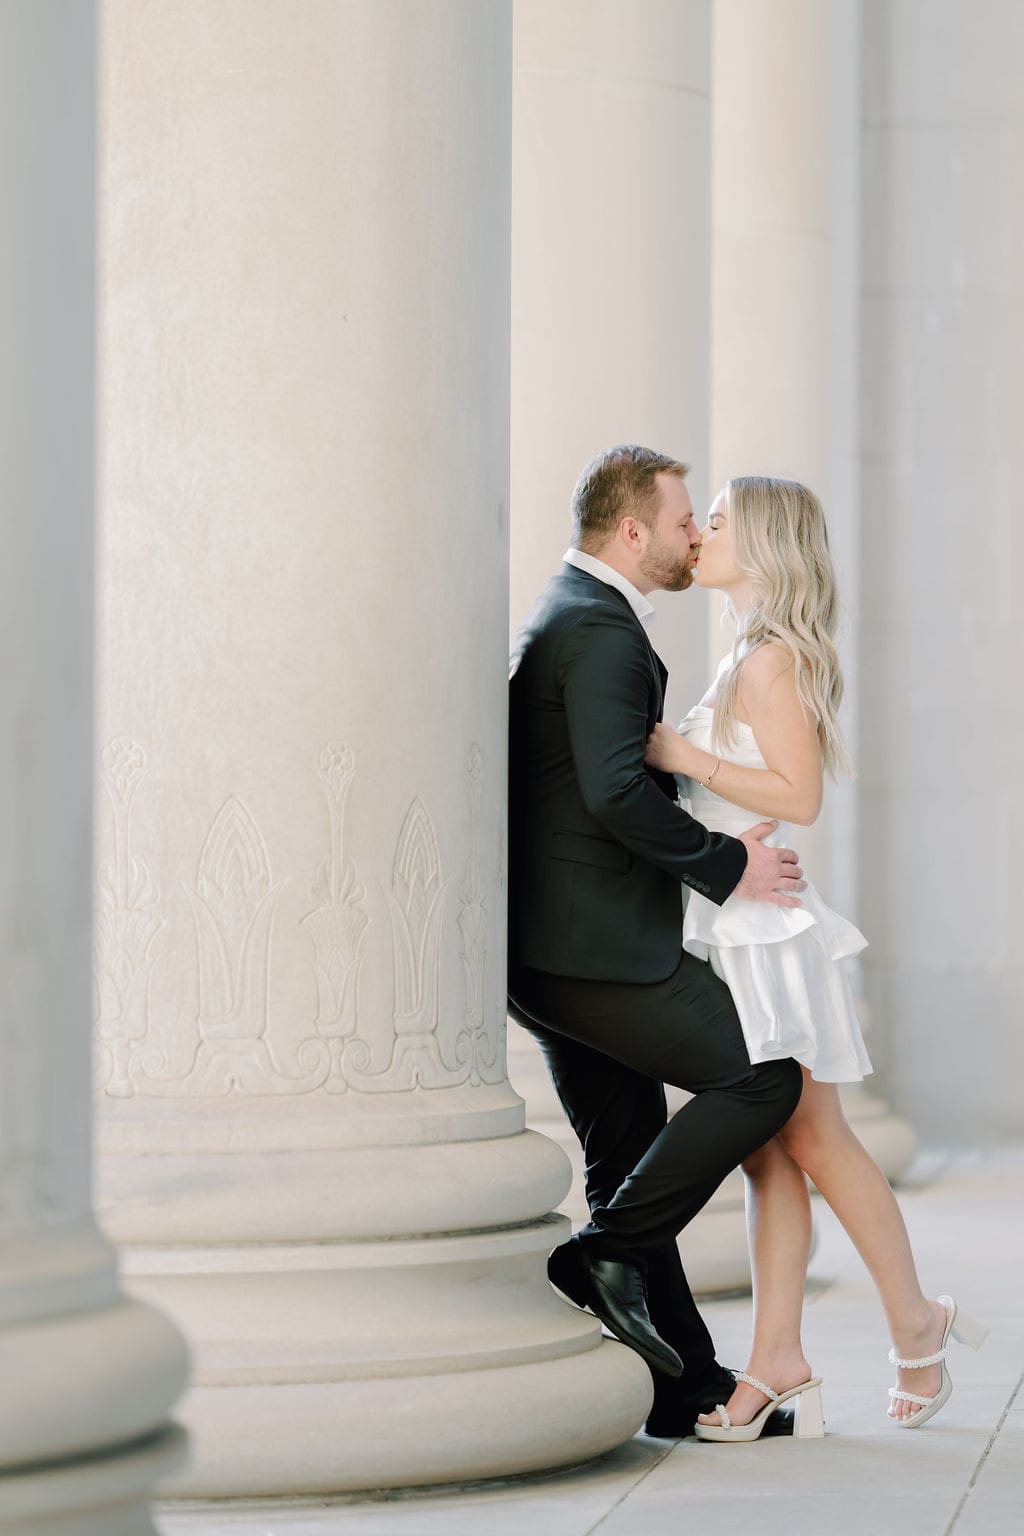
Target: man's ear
x: 629, y: 534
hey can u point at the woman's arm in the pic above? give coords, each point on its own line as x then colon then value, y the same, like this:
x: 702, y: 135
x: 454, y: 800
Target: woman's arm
x: 790, y: 786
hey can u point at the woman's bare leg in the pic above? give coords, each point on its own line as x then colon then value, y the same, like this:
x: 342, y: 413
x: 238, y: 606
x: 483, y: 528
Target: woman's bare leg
x: 779, y: 1231
x: 820, y: 1141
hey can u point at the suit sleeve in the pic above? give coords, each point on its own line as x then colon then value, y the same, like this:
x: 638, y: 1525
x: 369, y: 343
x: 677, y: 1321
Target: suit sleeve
x: 604, y: 672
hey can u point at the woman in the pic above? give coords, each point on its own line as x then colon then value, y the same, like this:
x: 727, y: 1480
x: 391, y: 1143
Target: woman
x: 756, y: 747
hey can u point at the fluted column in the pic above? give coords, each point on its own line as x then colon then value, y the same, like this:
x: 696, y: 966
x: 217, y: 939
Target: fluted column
x: 943, y: 709
x: 85, y: 1373
x: 310, y: 1143
x: 610, y: 299
x: 610, y: 272
x: 785, y: 340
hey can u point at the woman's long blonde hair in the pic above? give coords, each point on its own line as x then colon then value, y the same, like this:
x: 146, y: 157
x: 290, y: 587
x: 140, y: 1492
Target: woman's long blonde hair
x: 780, y: 543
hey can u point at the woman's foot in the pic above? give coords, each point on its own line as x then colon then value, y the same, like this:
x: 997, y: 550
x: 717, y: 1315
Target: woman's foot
x: 778, y: 1370
x: 916, y: 1346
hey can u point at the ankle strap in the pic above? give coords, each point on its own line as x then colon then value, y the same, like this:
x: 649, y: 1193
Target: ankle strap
x: 916, y: 1365
x: 761, y: 1386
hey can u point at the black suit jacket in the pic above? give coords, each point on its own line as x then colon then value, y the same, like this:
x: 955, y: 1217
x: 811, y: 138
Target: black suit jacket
x: 598, y: 847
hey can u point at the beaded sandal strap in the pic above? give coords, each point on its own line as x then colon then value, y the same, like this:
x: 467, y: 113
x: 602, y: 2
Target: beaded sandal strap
x: 910, y: 1397
x: 916, y: 1365
x: 723, y: 1414
x: 761, y: 1386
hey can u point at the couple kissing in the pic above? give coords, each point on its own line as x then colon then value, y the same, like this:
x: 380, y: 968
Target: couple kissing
x: 661, y: 931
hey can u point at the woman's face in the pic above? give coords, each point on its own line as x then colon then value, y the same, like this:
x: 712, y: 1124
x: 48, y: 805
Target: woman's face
x: 716, y: 566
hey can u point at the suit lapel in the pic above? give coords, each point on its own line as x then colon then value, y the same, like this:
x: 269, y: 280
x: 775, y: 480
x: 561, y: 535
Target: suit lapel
x: 573, y: 574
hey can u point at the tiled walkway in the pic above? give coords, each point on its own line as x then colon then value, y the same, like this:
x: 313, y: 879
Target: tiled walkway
x: 962, y: 1475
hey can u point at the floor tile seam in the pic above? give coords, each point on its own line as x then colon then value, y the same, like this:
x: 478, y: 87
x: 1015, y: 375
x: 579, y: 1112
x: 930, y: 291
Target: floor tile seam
x: 984, y: 1457
x: 628, y: 1491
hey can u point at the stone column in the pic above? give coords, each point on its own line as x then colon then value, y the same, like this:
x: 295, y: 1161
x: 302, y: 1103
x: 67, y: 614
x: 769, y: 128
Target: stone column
x: 311, y: 1149
x: 87, y: 1377
x: 785, y: 341
x: 610, y: 273
x: 783, y: 312
x: 610, y: 302
x: 942, y: 706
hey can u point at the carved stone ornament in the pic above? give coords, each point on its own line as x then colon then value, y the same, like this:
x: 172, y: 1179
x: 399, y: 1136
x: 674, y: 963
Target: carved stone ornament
x: 337, y: 925
x: 416, y: 905
x: 481, y: 1055
x: 125, y: 926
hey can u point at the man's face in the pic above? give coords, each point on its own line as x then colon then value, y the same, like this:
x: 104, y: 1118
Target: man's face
x: 673, y: 543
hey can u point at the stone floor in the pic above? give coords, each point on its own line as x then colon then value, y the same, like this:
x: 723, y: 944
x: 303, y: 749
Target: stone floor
x: 962, y: 1475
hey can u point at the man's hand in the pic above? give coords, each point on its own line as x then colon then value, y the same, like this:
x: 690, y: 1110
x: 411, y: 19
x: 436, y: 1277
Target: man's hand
x: 772, y: 874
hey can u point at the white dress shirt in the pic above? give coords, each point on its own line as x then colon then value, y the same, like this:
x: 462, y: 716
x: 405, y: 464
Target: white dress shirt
x: 613, y: 578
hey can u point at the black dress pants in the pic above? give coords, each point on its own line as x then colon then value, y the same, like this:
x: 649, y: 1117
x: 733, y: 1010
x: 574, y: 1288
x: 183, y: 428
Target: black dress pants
x: 610, y: 1046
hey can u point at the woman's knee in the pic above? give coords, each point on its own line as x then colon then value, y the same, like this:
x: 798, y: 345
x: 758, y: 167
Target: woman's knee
x: 800, y: 1140
x: 817, y: 1130
x: 811, y: 1142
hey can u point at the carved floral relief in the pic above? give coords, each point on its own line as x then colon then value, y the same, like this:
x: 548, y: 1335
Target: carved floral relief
x: 234, y: 902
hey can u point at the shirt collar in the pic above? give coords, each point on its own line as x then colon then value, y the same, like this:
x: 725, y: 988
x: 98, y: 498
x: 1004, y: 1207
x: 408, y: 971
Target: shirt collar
x: 613, y: 578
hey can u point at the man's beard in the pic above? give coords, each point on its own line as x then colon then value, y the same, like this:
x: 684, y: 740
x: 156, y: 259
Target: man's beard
x: 666, y: 571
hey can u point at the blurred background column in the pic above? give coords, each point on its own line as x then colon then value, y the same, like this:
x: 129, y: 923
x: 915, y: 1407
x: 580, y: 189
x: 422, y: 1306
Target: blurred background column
x: 610, y: 304
x: 310, y: 1145
x: 87, y: 1377
x: 942, y: 649
x: 785, y: 189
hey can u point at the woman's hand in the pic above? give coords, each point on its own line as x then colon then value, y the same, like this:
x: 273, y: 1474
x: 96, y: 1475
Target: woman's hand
x: 667, y: 750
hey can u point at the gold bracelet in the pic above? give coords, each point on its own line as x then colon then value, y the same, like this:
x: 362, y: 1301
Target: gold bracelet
x: 707, y: 782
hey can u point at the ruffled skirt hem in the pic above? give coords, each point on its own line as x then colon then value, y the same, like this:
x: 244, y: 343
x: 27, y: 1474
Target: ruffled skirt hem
x: 793, y: 1000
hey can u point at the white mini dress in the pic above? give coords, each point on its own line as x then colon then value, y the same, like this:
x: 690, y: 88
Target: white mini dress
x: 780, y: 963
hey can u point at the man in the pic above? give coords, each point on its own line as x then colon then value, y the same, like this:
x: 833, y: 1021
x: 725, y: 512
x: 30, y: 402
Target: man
x: 599, y: 850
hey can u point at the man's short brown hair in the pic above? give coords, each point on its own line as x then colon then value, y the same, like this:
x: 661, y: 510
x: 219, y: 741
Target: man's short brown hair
x: 617, y: 483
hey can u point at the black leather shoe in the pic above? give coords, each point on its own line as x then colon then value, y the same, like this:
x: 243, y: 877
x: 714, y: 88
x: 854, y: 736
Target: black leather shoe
x: 614, y: 1291
x: 566, y: 1272
x: 675, y: 1410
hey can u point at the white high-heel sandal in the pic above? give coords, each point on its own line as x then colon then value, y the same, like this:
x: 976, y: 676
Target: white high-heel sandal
x: 966, y: 1331
x: 808, y: 1422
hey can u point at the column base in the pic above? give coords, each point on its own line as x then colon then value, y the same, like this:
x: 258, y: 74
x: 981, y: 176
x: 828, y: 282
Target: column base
x: 333, y: 1359
x: 346, y: 1437
x: 340, y: 1367
x: 91, y: 1496
x: 78, y: 1384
